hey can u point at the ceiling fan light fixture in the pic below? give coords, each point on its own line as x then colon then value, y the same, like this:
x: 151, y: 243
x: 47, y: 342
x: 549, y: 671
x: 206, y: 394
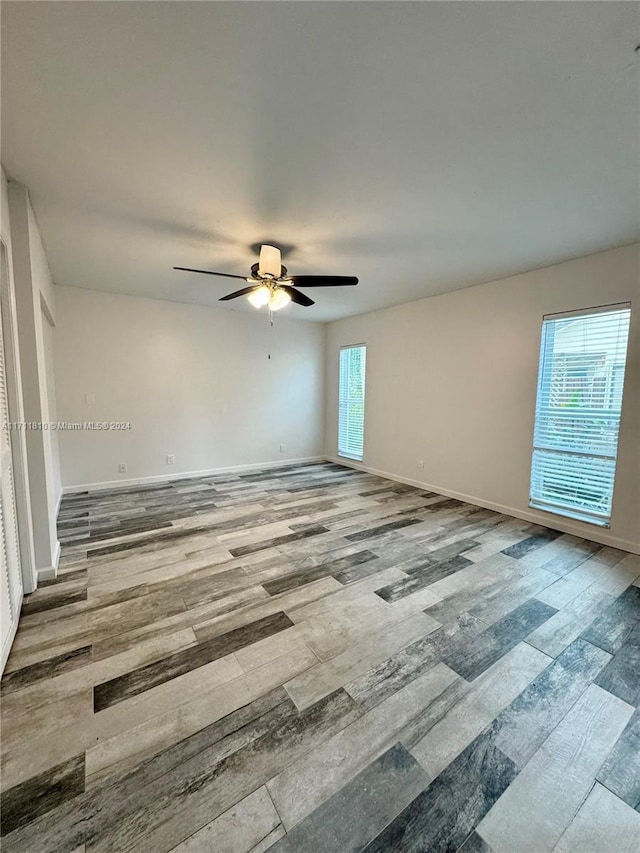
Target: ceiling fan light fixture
x: 279, y: 298
x: 260, y: 297
x: 270, y: 284
x: 270, y: 261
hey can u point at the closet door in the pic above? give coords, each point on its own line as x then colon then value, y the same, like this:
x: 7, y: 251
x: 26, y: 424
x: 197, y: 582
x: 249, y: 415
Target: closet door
x: 10, y: 574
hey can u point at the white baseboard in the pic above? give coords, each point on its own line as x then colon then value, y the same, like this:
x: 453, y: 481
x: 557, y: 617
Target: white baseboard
x: 552, y: 521
x: 50, y: 573
x: 185, y: 475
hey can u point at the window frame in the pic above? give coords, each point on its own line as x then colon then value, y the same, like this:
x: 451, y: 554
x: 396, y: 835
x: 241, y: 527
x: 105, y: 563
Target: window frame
x: 350, y: 456
x: 577, y: 513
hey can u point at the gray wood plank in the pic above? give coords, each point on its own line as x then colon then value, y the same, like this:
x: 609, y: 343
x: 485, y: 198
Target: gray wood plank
x: 45, y: 669
x: 154, y: 813
x: 301, y: 788
x: 383, y: 680
x: 621, y: 676
x: 472, y: 659
x: 474, y: 844
x: 40, y: 794
x: 614, y: 623
x: 145, y: 678
x: 462, y: 712
x: 238, y: 830
x: 531, y: 543
x: 444, y: 814
x: 604, y: 823
x: 423, y: 577
x: 621, y: 771
x: 554, y: 635
x: 355, y: 814
x: 522, y: 727
x: 540, y: 803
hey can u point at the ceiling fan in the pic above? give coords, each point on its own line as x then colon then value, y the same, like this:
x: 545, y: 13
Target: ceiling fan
x: 272, y: 286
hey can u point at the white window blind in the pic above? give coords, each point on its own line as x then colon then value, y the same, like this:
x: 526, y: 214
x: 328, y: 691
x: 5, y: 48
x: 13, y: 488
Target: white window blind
x: 351, y: 402
x: 577, y: 419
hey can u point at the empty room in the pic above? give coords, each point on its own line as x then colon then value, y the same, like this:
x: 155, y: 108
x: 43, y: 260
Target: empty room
x: 320, y: 427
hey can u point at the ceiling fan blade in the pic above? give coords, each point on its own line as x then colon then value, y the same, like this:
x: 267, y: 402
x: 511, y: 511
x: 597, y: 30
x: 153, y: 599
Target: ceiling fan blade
x: 242, y: 292
x: 322, y: 280
x: 209, y: 272
x: 297, y: 296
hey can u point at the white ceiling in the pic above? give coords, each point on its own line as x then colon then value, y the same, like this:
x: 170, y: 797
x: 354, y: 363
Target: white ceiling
x: 423, y: 147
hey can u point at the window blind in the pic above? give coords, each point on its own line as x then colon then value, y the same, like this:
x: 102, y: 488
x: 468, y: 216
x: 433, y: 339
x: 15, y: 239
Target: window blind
x: 577, y: 416
x: 351, y: 402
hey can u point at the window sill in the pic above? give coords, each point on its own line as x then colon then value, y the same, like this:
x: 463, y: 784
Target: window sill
x: 575, y: 515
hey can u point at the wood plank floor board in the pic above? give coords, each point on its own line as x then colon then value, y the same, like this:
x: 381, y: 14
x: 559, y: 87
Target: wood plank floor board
x: 554, y: 635
x: 620, y: 773
x: 29, y: 800
x: 614, y: 623
x: 500, y: 601
x: 532, y: 814
x: 602, y: 821
x: 303, y: 786
x: 577, y: 552
x: 124, y: 741
x: 419, y: 579
x: 304, y: 576
x: 463, y: 591
x: 144, y: 811
x: 359, y: 811
x: 444, y: 814
x: 42, y: 692
x: 245, y: 661
x: 474, y: 844
x: 446, y: 728
x: 385, y: 679
x: 531, y: 543
x: 49, y: 668
x: 311, y: 686
x: 526, y: 723
x: 145, y: 678
x: 489, y: 646
x: 622, y: 570
x: 238, y: 830
x: 621, y: 676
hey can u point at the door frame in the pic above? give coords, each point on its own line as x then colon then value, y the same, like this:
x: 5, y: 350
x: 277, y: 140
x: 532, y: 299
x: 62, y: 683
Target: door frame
x: 8, y: 314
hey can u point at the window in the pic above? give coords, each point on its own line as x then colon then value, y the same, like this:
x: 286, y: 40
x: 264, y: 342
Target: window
x: 580, y: 383
x: 351, y: 402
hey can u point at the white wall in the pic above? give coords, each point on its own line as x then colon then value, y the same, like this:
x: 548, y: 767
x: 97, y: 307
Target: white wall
x: 451, y: 380
x: 53, y: 452
x: 35, y: 305
x: 193, y: 381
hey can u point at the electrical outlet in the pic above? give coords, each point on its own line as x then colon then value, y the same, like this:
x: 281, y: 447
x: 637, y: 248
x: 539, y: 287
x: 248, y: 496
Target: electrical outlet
x: 283, y: 448
x: 420, y: 465
x: 90, y: 399
x: 122, y: 468
x: 171, y: 459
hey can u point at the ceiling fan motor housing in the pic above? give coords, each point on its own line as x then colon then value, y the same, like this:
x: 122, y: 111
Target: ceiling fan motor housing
x: 258, y: 277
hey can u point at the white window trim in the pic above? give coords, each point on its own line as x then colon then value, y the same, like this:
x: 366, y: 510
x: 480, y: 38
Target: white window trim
x: 342, y: 455
x: 588, y: 516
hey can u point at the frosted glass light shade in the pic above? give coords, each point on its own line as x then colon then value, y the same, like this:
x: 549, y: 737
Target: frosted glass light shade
x: 260, y: 296
x: 279, y: 298
x: 270, y: 261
